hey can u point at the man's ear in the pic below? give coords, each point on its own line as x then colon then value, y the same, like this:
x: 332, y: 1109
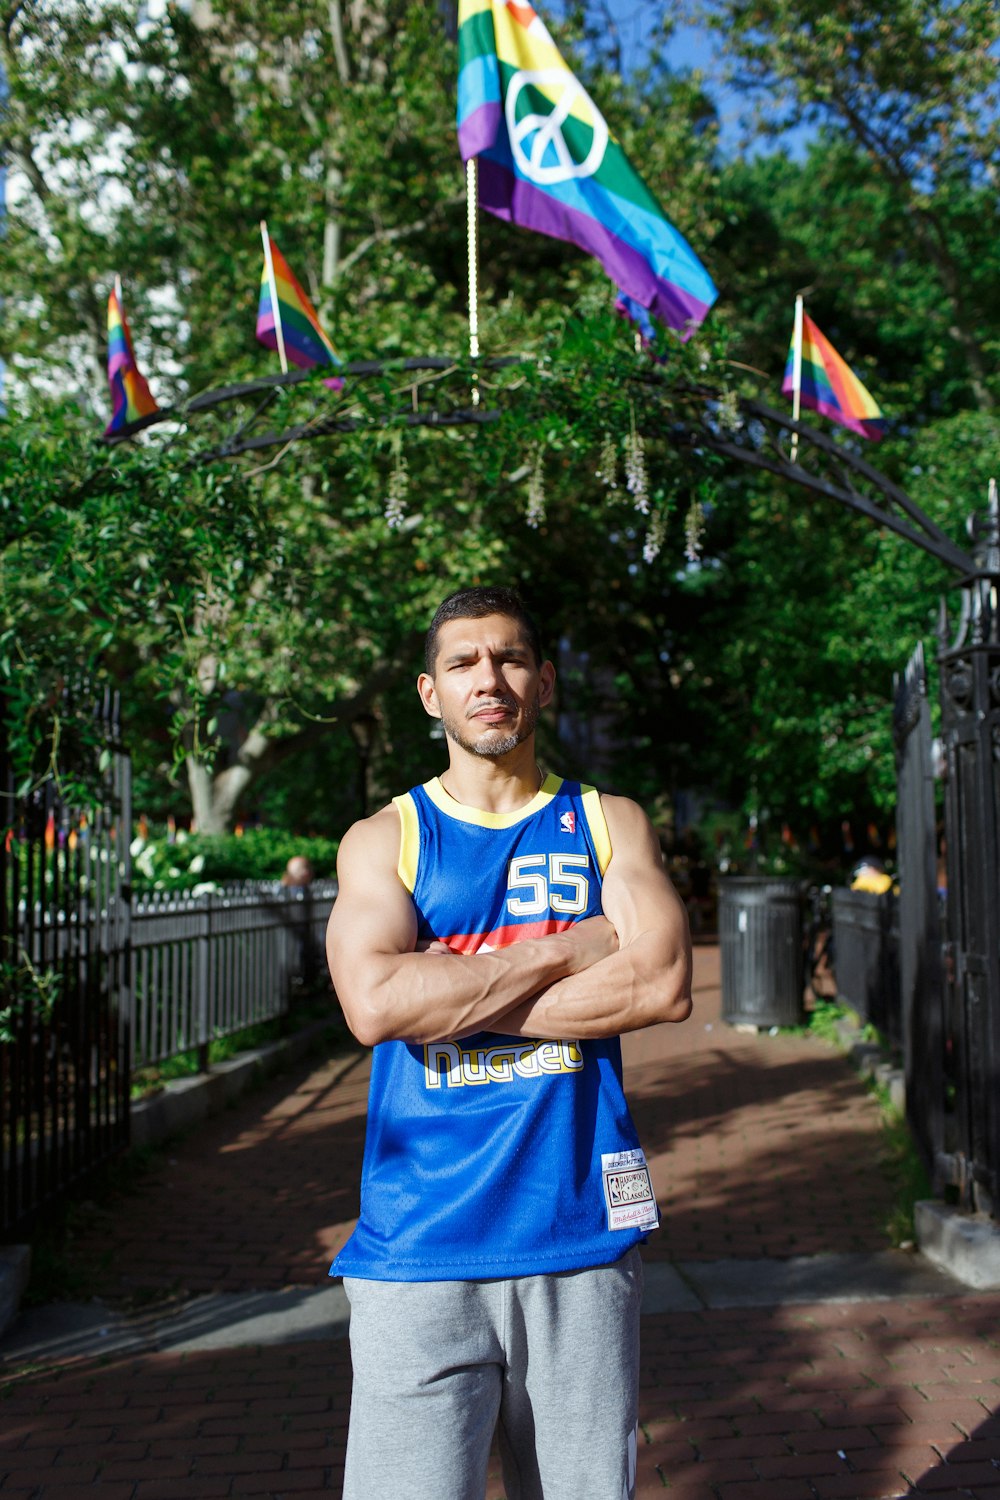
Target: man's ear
x: 546, y: 683
x: 428, y: 697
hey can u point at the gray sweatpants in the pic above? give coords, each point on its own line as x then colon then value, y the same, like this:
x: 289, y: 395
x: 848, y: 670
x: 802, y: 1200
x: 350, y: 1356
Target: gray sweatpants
x: 551, y: 1361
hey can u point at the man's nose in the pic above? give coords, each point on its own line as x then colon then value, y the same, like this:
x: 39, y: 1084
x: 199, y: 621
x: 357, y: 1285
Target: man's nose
x: 489, y: 678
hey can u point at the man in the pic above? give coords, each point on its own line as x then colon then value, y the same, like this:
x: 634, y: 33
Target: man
x: 494, y: 933
x: 298, y: 872
x: 870, y: 875
x: 299, y: 875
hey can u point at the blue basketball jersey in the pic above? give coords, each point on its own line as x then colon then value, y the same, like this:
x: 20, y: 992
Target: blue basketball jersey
x: 498, y: 1155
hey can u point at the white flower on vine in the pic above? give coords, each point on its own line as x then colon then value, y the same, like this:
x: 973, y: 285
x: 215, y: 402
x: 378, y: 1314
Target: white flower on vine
x: 607, y: 464
x: 398, y: 491
x: 694, y: 531
x: 728, y: 413
x: 636, y: 477
x: 655, y: 534
x: 536, y: 493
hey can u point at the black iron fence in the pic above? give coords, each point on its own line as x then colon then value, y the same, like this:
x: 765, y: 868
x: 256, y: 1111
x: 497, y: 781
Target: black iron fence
x: 969, y: 665
x: 95, y: 984
x: 209, y: 965
x: 64, y: 981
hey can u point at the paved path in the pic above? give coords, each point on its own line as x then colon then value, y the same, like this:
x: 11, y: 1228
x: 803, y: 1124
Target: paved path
x: 791, y: 1357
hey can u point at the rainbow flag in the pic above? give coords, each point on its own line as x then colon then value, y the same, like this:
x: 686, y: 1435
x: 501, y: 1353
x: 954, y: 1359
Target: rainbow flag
x: 628, y: 307
x: 305, y: 343
x: 547, y: 161
x: 830, y: 386
x: 131, y: 399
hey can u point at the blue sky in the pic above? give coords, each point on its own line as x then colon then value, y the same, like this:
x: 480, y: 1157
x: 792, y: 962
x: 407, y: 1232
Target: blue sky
x: 688, y: 47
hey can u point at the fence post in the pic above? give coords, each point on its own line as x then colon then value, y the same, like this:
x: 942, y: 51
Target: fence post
x: 123, y: 983
x: 202, y: 977
x: 921, y: 973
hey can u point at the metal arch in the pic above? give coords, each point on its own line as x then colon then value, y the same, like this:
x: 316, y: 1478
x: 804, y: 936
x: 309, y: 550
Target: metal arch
x: 251, y: 434
x: 822, y: 464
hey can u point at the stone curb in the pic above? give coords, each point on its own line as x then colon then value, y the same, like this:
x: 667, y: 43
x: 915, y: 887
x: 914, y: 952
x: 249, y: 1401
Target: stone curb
x: 872, y: 1062
x: 233, y: 1320
x: 187, y: 1101
x: 965, y: 1245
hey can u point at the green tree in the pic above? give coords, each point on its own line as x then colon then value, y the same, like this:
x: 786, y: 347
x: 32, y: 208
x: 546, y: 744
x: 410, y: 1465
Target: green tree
x: 915, y: 88
x: 259, y: 643
x: 256, y: 608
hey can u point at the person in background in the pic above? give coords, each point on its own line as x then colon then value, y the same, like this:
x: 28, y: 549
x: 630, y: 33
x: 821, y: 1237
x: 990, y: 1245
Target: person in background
x: 871, y: 875
x: 299, y: 876
x: 298, y: 871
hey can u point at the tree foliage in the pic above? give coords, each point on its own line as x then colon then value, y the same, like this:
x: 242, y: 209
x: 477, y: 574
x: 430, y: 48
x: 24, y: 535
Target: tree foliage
x: 257, y: 608
x: 914, y: 87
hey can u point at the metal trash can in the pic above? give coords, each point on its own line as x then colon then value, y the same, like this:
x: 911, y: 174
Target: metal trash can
x: 760, y: 935
x: 866, y: 958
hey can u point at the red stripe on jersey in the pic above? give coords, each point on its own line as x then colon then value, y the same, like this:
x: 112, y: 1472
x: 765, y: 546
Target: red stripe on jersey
x: 502, y: 937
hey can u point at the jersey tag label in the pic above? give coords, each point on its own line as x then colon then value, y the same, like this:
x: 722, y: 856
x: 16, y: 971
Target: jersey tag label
x: 628, y: 1191
x: 567, y: 822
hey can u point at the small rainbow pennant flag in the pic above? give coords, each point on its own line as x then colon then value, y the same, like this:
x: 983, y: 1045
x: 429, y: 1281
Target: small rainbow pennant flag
x: 287, y: 320
x: 817, y: 377
x: 547, y: 161
x: 131, y: 399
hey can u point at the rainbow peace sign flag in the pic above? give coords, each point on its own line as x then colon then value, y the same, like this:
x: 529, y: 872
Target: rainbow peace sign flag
x: 548, y: 161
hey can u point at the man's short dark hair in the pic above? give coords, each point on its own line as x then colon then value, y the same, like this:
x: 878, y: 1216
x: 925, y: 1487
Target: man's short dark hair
x: 475, y: 604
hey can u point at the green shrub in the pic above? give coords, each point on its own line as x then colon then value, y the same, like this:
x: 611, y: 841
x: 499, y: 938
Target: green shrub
x: 204, y: 860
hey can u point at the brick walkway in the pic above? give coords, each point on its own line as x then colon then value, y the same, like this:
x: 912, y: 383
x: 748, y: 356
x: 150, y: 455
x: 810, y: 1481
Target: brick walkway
x: 260, y: 1196
x: 761, y: 1147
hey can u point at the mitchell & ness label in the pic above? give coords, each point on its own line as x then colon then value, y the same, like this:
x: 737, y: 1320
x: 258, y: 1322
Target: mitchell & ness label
x: 628, y: 1191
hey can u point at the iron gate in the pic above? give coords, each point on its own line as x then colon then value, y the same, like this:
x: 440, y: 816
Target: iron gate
x: 64, y: 957
x: 920, y: 969
x: 970, y: 729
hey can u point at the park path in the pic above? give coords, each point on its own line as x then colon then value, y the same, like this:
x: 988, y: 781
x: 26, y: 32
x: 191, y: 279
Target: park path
x: 774, y: 1367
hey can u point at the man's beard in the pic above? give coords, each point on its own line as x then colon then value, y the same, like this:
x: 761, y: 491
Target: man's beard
x: 493, y: 744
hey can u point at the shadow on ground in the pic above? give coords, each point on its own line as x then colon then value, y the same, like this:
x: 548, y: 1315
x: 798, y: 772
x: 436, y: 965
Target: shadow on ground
x: 256, y: 1198
x: 806, y: 1403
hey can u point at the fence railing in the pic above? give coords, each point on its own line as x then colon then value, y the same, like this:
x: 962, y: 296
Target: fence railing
x: 866, y: 958
x: 129, y: 984
x: 64, y: 981
x: 209, y: 965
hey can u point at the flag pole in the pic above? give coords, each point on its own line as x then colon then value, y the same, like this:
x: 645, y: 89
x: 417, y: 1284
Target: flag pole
x: 796, y: 374
x: 272, y: 283
x: 472, y: 228
x: 118, y: 292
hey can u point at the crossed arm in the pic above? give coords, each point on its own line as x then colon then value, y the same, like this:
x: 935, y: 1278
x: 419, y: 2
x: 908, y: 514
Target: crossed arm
x: 627, y: 969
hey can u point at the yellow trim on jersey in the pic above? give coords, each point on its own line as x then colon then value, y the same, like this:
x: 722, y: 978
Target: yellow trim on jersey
x: 447, y: 804
x: 594, y: 813
x: 409, y: 840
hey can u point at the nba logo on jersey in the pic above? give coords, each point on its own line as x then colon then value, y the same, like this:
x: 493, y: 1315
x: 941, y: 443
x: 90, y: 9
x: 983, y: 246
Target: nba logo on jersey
x: 567, y: 822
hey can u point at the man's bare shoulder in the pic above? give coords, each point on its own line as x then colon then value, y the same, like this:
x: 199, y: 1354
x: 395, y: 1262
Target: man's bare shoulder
x: 620, y: 806
x: 625, y: 817
x: 373, y: 840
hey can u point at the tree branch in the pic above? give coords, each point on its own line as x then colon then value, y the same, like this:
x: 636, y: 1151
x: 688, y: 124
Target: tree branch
x: 215, y: 798
x: 387, y: 236
x: 336, y: 16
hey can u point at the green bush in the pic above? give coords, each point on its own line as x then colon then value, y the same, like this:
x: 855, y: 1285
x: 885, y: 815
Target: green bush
x: 201, y: 861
